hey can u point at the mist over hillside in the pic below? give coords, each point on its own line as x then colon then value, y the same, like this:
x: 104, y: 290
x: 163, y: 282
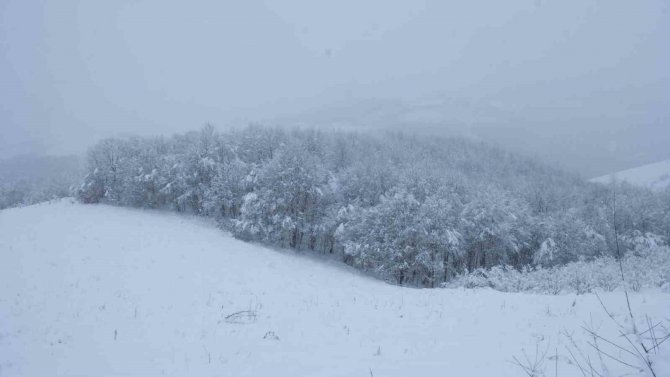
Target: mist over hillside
x: 593, y: 143
x: 30, y: 179
x: 581, y: 84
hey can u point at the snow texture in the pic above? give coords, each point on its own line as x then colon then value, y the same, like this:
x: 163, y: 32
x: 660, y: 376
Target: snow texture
x: 106, y: 291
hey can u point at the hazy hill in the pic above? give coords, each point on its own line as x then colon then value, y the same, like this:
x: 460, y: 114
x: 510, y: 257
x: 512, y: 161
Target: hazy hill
x: 29, y: 179
x: 655, y: 176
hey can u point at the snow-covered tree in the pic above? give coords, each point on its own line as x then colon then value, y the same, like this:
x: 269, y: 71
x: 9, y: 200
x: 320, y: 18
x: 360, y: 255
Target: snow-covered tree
x: 410, y: 209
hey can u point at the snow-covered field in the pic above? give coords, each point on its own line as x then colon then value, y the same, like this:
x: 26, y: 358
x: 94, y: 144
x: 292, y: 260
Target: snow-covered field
x: 655, y: 176
x: 92, y: 290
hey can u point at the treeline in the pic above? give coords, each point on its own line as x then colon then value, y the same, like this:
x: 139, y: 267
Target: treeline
x: 646, y: 264
x: 412, y: 210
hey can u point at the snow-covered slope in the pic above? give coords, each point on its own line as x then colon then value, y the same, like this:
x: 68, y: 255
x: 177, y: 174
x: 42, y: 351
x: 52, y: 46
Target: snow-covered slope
x: 92, y: 290
x: 654, y: 176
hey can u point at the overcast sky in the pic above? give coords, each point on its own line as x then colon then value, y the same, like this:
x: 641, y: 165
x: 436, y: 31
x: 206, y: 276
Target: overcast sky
x: 584, y: 83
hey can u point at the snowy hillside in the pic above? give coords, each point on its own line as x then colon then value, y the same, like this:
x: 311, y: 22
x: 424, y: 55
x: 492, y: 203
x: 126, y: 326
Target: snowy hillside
x: 105, y: 291
x: 654, y: 176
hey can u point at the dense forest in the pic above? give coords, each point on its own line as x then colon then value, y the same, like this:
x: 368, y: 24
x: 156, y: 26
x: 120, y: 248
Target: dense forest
x: 412, y: 210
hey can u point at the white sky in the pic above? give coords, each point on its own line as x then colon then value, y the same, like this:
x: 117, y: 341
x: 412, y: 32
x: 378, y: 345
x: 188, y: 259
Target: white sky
x: 587, y: 80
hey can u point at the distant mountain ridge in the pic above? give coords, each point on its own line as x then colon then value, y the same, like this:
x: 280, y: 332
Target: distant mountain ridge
x: 655, y: 176
x: 554, y: 132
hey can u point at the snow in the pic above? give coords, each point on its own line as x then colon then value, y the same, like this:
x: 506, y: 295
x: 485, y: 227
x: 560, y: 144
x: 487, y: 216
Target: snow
x: 106, y: 291
x: 654, y: 176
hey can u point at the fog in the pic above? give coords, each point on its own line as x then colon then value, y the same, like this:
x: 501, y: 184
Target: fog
x: 583, y: 84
